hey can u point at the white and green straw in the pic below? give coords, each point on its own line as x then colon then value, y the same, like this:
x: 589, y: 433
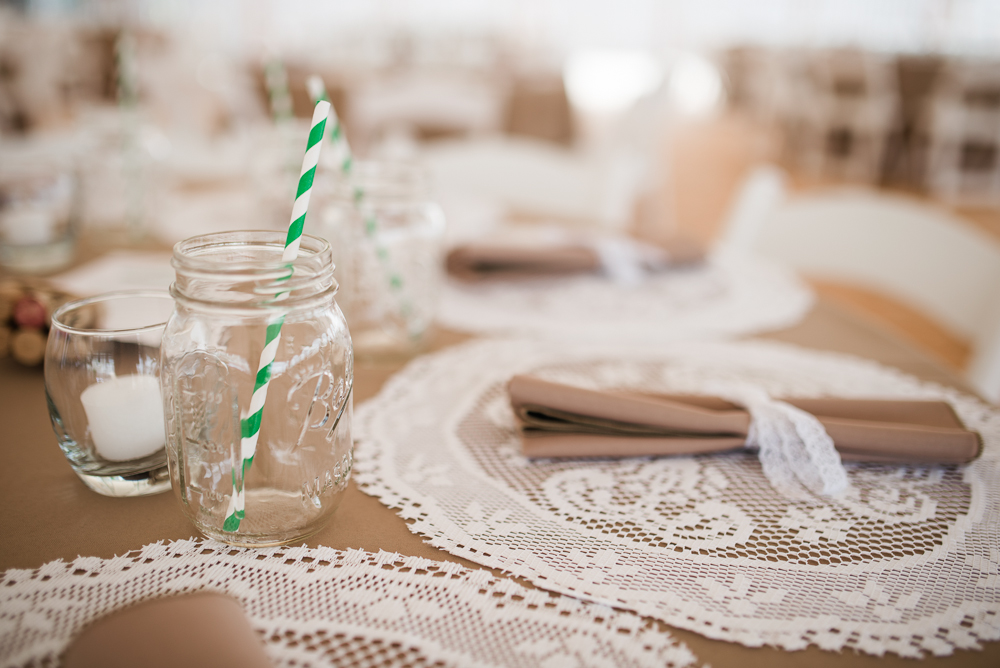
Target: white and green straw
x: 127, y: 81
x: 250, y: 425
x: 276, y: 82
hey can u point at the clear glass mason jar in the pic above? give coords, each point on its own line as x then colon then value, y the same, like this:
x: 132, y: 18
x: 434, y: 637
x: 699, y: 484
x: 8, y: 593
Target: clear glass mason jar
x: 387, y: 235
x: 230, y: 287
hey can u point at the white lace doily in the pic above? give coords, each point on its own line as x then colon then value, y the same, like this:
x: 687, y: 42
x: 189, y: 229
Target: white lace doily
x: 730, y: 295
x: 907, y: 562
x: 326, y: 607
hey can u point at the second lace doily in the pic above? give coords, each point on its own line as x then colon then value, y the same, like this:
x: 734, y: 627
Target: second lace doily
x: 732, y: 294
x: 905, y: 562
x: 325, y: 607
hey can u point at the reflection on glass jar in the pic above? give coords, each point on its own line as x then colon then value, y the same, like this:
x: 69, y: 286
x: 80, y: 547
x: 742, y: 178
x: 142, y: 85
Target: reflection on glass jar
x: 38, y: 210
x: 387, y: 241
x: 230, y: 288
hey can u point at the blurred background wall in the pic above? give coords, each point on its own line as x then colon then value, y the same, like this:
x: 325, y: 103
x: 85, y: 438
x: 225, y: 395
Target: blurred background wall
x: 637, y: 115
x: 910, y: 26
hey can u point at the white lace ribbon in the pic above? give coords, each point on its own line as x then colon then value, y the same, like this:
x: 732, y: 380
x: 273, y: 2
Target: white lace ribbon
x: 627, y: 261
x: 796, y: 454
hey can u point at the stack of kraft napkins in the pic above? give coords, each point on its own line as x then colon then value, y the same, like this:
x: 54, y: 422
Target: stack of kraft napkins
x: 539, y: 258
x: 560, y: 420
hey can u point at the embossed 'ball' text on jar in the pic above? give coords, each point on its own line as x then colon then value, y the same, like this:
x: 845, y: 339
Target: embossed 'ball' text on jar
x: 234, y: 294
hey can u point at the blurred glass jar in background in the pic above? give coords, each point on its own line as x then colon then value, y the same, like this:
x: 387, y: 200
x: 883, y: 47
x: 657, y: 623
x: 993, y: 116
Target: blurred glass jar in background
x: 39, y: 206
x: 387, y: 239
x: 122, y: 173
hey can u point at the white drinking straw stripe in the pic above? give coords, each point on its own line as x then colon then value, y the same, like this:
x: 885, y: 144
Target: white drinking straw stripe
x: 250, y: 425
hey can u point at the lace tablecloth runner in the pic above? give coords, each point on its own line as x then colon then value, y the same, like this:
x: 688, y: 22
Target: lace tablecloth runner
x: 731, y: 294
x: 327, y: 607
x: 906, y: 562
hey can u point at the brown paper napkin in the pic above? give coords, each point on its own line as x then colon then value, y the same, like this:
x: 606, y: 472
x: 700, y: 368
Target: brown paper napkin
x: 564, y: 421
x: 497, y: 260
x: 478, y: 261
x: 204, y: 630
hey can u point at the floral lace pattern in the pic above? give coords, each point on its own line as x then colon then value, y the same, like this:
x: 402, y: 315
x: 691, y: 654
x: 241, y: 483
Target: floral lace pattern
x: 906, y: 561
x: 732, y: 294
x: 325, y: 607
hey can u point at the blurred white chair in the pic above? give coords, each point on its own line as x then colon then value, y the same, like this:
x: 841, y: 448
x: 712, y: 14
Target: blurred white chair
x: 922, y: 256
x: 599, y: 181
x: 838, y: 121
x: 533, y: 177
x: 965, y: 133
x: 763, y: 81
x: 761, y: 194
x: 427, y: 104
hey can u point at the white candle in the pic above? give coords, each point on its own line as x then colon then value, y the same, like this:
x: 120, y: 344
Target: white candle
x: 125, y: 416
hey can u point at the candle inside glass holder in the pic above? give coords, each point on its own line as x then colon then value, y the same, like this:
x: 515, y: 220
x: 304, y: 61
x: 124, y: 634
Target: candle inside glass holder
x: 102, y: 367
x: 126, y: 417
x: 38, y: 208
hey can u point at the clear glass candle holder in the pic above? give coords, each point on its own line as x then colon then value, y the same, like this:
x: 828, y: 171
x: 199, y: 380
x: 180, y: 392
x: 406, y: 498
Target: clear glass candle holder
x: 39, y: 207
x: 102, y: 368
x: 387, y: 237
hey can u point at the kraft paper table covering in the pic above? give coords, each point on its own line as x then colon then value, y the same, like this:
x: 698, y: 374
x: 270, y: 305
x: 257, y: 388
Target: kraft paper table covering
x: 49, y: 514
x: 559, y: 420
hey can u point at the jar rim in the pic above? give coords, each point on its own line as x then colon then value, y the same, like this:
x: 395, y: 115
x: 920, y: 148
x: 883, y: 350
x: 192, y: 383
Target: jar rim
x: 198, y: 253
x: 248, y: 262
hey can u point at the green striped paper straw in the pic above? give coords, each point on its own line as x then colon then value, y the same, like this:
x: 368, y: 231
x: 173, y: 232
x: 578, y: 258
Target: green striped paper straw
x: 127, y: 83
x: 280, y: 98
x: 276, y: 82
x: 128, y: 93
x: 317, y: 91
x: 250, y: 425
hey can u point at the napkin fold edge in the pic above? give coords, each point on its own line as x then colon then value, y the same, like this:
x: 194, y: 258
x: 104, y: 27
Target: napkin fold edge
x: 561, y: 420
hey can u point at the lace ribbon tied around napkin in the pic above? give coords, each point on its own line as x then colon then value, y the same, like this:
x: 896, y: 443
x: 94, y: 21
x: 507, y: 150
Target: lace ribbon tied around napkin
x: 800, y: 441
x: 794, y: 449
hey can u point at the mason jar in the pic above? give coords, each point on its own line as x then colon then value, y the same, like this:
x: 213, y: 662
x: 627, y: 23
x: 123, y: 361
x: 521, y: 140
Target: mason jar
x: 387, y: 236
x: 233, y: 296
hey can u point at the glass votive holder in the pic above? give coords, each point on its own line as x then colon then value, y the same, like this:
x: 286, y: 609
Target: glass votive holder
x: 387, y: 238
x: 38, y: 211
x: 102, y: 368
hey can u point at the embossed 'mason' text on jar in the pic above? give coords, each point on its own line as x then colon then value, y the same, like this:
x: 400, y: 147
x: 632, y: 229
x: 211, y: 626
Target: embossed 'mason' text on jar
x: 229, y: 288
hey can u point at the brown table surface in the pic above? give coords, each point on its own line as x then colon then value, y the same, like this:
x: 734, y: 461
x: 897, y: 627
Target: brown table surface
x: 49, y: 514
